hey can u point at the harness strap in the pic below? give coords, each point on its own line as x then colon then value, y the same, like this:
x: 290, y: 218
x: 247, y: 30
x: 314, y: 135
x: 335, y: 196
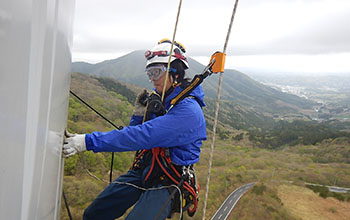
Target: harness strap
x: 186, y: 185
x: 186, y: 179
x: 158, y: 151
x: 176, y: 178
x: 138, y: 156
x: 151, y: 169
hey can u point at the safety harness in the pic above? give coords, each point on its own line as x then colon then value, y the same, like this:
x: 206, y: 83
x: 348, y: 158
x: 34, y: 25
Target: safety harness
x: 162, y: 170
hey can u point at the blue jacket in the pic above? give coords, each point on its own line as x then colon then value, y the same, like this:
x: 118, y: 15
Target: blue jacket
x: 182, y: 130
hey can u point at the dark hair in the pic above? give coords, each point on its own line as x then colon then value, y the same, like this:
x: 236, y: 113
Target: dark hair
x: 180, y: 71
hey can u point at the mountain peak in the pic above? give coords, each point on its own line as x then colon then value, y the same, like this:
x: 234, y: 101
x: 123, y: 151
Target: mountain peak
x: 237, y: 87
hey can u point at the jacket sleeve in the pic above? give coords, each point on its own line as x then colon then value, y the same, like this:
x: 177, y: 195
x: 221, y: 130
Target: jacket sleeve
x: 135, y: 120
x: 181, y: 125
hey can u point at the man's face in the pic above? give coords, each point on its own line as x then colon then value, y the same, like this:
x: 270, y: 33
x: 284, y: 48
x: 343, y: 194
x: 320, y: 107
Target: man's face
x: 157, y: 74
x: 159, y: 84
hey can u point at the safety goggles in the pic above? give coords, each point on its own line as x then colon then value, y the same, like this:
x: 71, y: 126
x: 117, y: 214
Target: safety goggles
x: 156, y: 72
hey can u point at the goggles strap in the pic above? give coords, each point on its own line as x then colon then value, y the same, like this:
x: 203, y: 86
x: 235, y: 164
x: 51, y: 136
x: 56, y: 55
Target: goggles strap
x: 163, y: 53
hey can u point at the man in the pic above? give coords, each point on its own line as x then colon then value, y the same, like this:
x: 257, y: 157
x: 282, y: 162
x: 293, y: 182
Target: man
x: 168, y: 143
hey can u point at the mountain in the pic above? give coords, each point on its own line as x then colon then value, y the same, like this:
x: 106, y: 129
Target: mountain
x: 241, y: 95
x: 129, y: 68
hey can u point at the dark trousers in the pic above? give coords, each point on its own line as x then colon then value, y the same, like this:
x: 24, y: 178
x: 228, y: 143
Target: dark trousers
x: 114, y: 201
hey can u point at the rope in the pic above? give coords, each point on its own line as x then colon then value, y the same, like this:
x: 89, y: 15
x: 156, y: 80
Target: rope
x: 162, y: 99
x: 163, y: 92
x: 85, y: 103
x: 111, y: 169
x: 67, y: 206
x: 110, y: 122
x: 112, y: 160
x: 216, y: 114
x: 230, y: 26
x: 171, y: 50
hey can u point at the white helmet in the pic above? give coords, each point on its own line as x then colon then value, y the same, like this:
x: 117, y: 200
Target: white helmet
x: 161, y: 52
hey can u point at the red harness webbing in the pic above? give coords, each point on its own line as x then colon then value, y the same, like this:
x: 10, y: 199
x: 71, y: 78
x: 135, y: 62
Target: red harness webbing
x: 160, y: 151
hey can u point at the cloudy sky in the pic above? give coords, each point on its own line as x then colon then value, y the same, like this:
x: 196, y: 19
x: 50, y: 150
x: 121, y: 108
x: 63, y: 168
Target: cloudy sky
x: 275, y: 36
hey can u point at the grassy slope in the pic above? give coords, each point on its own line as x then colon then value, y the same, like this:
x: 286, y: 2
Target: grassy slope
x: 305, y: 204
x: 235, y: 163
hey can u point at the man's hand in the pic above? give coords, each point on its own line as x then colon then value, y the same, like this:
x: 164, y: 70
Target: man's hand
x: 74, y: 143
x: 140, y: 103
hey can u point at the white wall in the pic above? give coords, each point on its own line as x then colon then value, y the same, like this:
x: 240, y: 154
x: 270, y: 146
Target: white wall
x: 35, y: 59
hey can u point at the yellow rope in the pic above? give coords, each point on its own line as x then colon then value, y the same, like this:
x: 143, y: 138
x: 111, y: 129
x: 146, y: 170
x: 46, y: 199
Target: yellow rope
x: 171, y: 50
x: 216, y: 115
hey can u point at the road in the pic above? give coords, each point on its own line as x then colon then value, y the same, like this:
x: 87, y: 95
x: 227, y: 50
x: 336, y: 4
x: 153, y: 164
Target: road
x: 338, y: 189
x: 332, y: 188
x: 225, y: 209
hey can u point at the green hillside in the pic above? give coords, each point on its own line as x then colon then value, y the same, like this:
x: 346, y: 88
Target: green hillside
x: 237, y: 160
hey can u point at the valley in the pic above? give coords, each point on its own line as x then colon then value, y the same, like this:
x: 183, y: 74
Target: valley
x: 238, y: 159
x: 330, y: 92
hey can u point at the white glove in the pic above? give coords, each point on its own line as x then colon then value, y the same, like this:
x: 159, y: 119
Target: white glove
x: 73, y: 144
x: 139, y: 108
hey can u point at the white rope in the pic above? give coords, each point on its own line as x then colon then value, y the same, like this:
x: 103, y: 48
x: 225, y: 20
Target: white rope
x: 171, y: 49
x: 216, y: 115
x: 140, y: 188
x: 163, y: 93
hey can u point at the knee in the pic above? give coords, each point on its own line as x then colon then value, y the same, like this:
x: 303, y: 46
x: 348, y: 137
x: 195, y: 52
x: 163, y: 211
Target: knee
x: 88, y: 215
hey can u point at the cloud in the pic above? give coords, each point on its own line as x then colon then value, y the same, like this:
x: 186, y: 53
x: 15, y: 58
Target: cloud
x: 109, y: 27
x: 292, y: 27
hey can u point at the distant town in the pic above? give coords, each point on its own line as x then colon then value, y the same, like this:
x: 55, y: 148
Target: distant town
x: 330, y: 94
